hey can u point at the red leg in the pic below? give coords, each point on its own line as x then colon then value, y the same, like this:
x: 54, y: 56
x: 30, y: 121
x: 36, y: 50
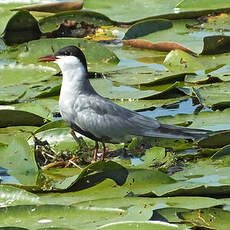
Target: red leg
x: 104, y: 150
x: 95, y: 151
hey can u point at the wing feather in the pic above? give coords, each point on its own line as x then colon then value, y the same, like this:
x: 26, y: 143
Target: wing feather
x: 104, y: 118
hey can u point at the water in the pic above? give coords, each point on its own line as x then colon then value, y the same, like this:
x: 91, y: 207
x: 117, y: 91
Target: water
x: 183, y: 107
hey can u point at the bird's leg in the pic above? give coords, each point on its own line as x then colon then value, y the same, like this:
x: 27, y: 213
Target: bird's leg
x: 81, y: 143
x: 74, y: 136
x: 95, y: 151
x: 104, y: 150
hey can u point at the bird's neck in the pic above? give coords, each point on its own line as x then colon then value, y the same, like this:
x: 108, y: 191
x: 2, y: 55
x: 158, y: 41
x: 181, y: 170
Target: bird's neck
x: 74, y: 83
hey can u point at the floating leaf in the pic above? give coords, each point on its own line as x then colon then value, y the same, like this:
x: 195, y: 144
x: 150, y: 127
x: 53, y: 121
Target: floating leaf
x: 144, y: 76
x: 109, y: 90
x: 160, y: 9
x: 214, y: 218
x: 206, y: 120
x: 15, y: 74
x: 22, y: 27
x: 180, y: 61
x: 180, y: 35
x: 51, y: 23
x: 11, y: 196
x: 216, y: 140
x: 16, y: 117
x: 95, y: 53
x: 148, y: 225
x: 52, y: 7
x: 19, y: 160
x: 140, y: 105
x: 11, y: 94
x: 215, y: 95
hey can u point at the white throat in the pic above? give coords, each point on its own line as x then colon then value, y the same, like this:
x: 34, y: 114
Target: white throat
x: 74, y: 83
x: 72, y: 69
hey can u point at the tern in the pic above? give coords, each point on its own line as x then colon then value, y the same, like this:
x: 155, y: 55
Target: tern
x: 91, y: 115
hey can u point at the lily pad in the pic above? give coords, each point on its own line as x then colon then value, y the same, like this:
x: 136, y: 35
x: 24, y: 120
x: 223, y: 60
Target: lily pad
x: 215, y: 95
x: 6, y: 14
x: 178, y: 60
x: 22, y: 27
x: 11, y: 94
x: 142, y: 224
x: 144, y: 76
x: 17, y: 157
x: 11, y: 196
x: 52, y: 7
x: 206, y: 120
x: 214, y: 218
x: 10, y: 117
x: 148, y: 9
x: 195, y: 4
x: 109, y: 90
x: 88, y: 177
x: 140, y: 105
x: 95, y: 53
x: 50, y: 23
x: 182, y: 37
x: 216, y: 140
x: 15, y: 74
x: 43, y: 107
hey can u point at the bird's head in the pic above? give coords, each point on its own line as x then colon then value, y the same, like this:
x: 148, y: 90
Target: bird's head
x: 67, y: 58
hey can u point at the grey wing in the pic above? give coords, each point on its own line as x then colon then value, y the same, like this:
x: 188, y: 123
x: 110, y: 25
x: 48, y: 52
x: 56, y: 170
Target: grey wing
x: 104, y: 118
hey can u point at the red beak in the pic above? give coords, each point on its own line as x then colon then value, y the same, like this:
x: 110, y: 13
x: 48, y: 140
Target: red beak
x: 47, y: 58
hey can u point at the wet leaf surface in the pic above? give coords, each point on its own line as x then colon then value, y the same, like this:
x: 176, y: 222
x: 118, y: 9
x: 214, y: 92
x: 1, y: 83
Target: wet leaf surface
x: 179, y: 75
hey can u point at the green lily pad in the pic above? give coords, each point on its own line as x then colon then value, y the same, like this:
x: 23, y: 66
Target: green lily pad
x: 95, y: 53
x: 214, y: 218
x: 11, y: 94
x: 52, y: 7
x: 205, y: 79
x: 182, y: 37
x: 202, y: 177
x: 144, y: 76
x: 10, y: 117
x: 219, y: 22
x: 50, y: 23
x: 140, y: 105
x: 88, y: 177
x: 215, y: 95
x: 24, y: 131
x: 18, y: 158
x: 6, y: 14
x: 59, y: 138
x: 11, y: 196
x: 158, y: 157
x: 107, y: 89
x: 157, y: 9
x: 148, y: 225
x: 216, y: 140
x: 15, y: 74
x: 22, y: 27
x: 43, y: 107
x: 195, y: 4
x: 222, y: 156
x: 52, y: 125
x: 146, y: 27
x: 178, y: 60
x: 206, y: 120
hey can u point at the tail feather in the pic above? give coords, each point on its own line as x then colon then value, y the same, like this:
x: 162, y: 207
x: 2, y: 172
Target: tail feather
x: 172, y: 131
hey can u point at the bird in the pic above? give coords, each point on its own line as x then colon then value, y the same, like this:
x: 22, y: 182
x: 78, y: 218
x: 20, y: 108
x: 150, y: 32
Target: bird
x: 96, y: 117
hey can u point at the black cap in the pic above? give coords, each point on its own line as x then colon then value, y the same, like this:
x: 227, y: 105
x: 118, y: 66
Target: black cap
x: 73, y: 51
